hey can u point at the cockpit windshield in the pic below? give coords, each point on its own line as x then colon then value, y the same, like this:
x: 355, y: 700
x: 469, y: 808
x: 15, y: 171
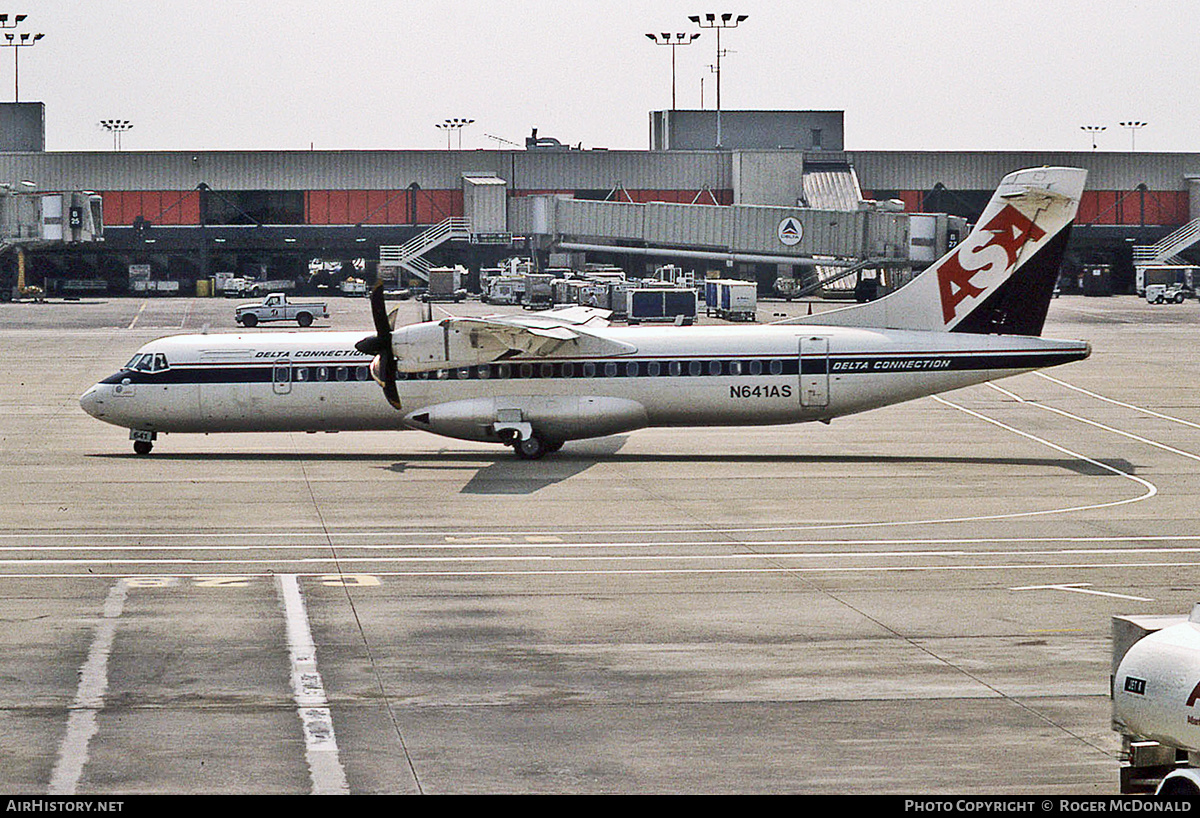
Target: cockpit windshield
x: 147, y: 362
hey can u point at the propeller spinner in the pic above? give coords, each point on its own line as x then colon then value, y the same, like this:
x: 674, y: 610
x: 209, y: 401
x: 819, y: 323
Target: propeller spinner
x: 383, y: 368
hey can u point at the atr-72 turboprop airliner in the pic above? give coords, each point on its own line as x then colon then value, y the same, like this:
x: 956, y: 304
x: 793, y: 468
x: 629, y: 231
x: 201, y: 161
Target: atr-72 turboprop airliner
x: 534, y: 381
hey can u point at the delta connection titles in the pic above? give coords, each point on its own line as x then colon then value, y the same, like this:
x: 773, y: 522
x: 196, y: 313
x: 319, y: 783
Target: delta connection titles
x: 1062, y: 806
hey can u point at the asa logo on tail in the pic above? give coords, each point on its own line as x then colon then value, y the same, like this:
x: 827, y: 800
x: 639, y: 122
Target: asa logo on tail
x: 1002, y: 239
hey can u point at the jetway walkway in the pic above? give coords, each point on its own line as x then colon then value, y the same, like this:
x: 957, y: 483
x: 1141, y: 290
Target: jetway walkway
x: 790, y: 236
x: 827, y: 237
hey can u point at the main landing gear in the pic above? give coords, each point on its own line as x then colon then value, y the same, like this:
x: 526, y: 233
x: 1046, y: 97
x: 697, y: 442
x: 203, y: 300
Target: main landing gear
x: 530, y: 447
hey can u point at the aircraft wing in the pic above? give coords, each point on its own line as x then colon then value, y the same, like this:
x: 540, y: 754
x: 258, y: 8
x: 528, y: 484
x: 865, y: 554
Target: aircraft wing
x: 467, y: 341
x: 560, y: 316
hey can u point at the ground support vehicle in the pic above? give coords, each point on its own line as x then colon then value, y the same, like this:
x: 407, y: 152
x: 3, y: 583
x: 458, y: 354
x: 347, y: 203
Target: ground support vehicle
x: 1168, y: 293
x: 1155, y: 696
x: 503, y: 290
x: 276, y: 307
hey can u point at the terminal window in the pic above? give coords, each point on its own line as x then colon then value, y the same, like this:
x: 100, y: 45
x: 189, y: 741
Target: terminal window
x: 248, y: 207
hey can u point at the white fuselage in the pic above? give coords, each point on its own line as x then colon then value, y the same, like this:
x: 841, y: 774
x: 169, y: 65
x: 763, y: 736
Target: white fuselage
x: 678, y: 376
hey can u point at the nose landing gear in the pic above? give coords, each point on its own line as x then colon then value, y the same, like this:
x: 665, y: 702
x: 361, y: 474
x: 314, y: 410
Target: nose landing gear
x: 143, y: 441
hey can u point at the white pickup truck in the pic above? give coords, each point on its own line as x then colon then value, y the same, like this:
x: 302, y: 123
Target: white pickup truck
x: 276, y: 307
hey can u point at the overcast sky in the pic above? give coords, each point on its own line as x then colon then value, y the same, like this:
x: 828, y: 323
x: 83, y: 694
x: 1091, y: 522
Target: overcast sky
x: 910, y: 74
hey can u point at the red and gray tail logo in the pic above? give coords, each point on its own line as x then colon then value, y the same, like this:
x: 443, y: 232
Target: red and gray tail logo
x: 1002, y: 240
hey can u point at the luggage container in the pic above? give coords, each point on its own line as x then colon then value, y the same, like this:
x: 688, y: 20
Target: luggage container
x: 445, y: 284
x: 731, y: 299
x: 737, y: 300
x: 1097, y: 280
x: 539, y: 291
x: 662, y: 304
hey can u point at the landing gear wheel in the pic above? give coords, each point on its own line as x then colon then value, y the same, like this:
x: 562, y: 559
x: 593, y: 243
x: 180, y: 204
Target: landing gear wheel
x: 531, y: 448
x: 142, y: 446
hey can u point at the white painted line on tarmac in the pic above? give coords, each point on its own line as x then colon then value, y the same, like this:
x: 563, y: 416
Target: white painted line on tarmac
x: 1080, y: 588
x: 733, y: 556
x: 1122, y: 404
x: 89, y: 698
x: 1151, y: 489
x: 556, y: 571
x: 1147, y: 441
x: 320, y: 745
x: 1128, y: 542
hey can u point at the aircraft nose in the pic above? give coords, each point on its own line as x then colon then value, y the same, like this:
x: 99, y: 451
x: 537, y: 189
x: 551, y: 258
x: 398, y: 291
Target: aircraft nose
x: 92, y: 402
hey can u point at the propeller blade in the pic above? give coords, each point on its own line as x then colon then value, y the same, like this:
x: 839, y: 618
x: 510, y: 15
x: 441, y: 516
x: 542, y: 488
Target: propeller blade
x: 389, y: 381
x: 375, y: 344
x: 379, y: 310
x: 380, y: 345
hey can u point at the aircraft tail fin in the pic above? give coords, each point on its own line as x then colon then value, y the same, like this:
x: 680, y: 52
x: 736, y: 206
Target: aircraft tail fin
x: 1000, y: 278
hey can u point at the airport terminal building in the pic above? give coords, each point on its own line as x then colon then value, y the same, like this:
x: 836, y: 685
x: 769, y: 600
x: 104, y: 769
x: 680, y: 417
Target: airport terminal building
x: 306, y: 215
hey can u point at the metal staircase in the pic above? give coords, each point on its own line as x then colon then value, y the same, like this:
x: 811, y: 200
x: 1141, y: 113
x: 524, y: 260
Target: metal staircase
x: 1167, y: 250
x: 834, y: 275
x: 831, y: 183
x: 410, y: 256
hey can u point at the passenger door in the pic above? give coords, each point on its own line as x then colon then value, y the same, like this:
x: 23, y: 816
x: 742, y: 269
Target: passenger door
x: 814, y: 372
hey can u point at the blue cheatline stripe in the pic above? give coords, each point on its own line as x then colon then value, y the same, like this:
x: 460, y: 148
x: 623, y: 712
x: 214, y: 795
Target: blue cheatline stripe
x: 619, y: 368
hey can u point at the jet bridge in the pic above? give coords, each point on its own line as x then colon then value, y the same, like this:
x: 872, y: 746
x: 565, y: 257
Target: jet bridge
x: 804, y: 237
x: 829, y: 236
x: 31, y: 219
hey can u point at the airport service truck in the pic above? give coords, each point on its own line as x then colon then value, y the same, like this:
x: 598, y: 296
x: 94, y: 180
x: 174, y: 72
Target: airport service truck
x: 503, y: 290
x: 1155, y: 689
x: 276, y: 307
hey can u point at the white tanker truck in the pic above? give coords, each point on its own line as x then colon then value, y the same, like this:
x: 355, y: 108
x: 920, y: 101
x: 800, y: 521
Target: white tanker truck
x: 1156, y: 703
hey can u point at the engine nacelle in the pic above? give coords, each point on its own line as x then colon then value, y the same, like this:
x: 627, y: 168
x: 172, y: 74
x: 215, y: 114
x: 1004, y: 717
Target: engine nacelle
x: 1156, y: 687
x: 437, y: 345
x: 560, y: 417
